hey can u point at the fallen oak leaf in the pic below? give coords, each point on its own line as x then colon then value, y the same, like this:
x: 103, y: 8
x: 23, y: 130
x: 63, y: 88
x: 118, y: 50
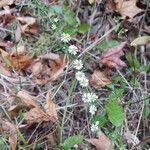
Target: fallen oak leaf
x: 37, y: 115
x: 18, y: 60
x: 24, y: 101
x: 11, y: 130
x: 99, y: 79
x: 111, y: 57
x: 50, y: 107
x: 102, y: 143
x: 127, y: 8
x: 47, y: 68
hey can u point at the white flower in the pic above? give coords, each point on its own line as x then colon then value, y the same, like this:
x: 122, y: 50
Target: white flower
x: 76, y: 146
x: 84, y: 82
x: 55, y: 19
x: 94, y: 127
x: 65, y: 37
x: 89, y: 97
x: 53, y: 27
x: 73, y: 49
x: 94, y: 97
x: 92, y: 109
x: 80, y: 75
x: 77, y: 64
x: 85, y: 97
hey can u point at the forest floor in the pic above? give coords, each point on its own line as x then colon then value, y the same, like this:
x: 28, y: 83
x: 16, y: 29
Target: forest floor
x: 75, y: 74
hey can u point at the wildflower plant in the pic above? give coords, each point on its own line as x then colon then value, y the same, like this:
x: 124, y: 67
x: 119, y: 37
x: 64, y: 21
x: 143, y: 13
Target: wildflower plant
x: 89, y: 98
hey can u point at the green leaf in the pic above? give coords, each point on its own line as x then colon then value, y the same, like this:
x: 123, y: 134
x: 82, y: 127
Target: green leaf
x: 101, y: 118
x: 83, y: 28
x: 69, y: 16
x: 70, y: 30
x: 71, y: 141
x: 110, y: 86
x: 107, y: 44
x: 115, y: 113
x: 102, y: 45
x: 116, y: 93
x: 141, y: 41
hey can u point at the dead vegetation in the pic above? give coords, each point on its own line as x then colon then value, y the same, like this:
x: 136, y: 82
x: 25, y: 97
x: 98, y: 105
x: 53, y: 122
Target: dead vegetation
x: 49, y: 101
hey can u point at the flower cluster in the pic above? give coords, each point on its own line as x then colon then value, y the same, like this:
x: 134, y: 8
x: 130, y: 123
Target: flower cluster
x: 54, y: 24
x: 77, y: 64
x: 83, y: 81
x: 53, y: 27
x: 73, y: 49
x: 65, y: 37
x: 94, y: 127
x: 90, y: 98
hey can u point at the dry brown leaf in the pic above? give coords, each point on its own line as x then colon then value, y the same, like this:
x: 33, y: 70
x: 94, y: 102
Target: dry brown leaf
x: 37, y: 115
x: 37, y: 67
x: 26, y: 99
x: 99, y: 79
x: 111, y: 57
x: 18, y: 61
x: 25, y: 102
x: 26, y: 26
x: 14, y: 109
x: 127, y: 8
x: 4, y: 3
x: 48, y: 68
x: 27, y: 20
x: 102, y: 143
x: 57, y: 67
x: 10, y: 129
x: 50, y: 107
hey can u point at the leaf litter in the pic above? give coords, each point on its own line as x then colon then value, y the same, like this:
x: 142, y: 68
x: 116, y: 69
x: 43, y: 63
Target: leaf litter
x: 24, y: 74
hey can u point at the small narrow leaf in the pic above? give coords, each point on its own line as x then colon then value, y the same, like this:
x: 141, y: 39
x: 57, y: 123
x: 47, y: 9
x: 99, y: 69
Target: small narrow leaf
x: 115, y: 112
x: 71, y: 141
